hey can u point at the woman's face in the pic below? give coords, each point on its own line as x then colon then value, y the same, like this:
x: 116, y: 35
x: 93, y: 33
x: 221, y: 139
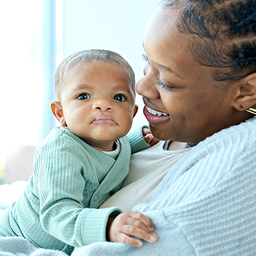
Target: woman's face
x: 182, y: 101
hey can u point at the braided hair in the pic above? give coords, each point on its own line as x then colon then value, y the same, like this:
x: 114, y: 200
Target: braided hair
x: 225, y: 31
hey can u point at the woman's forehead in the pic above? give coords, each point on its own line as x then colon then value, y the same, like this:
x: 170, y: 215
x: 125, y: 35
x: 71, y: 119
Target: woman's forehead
x: 161, y: 28
x: 165, y: 46
x: 163, y: 15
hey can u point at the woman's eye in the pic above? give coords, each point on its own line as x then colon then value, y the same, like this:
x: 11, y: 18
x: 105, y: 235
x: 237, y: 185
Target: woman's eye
x: 164, y: 85
x: 144, y: 57
x: 83, y: 96
x: 119, y: 97
x: 147, y: 66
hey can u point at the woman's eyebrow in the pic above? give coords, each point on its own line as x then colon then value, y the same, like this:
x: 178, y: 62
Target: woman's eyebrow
x: 162, y: 67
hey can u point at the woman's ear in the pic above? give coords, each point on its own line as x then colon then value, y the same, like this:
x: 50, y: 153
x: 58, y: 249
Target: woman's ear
x: 57, y: 111
x: 135, y: 110
x: 246, y: 96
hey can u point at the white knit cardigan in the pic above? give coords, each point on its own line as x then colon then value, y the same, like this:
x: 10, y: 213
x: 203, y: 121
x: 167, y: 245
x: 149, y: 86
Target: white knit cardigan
x: 206, y: 204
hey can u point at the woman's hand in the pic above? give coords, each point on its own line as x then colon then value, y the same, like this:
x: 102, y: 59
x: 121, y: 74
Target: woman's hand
x: 129, y: 224
x: 148, y: 137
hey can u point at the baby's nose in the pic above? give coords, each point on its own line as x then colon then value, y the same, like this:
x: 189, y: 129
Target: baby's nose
x: 103, y: 105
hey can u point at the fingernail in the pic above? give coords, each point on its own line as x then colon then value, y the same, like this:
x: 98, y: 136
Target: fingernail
x: 153, y: 238
x: 139, y: 244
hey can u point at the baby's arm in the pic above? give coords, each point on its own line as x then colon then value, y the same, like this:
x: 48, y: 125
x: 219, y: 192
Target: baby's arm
x: 148, y: 137
x: 128, y: 224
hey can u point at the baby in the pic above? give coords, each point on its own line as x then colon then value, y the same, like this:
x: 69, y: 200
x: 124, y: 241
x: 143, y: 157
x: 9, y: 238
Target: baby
x: 84, y: 161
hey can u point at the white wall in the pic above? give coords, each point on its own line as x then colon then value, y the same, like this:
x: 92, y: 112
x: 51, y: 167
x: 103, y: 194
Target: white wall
x: 116, y: 25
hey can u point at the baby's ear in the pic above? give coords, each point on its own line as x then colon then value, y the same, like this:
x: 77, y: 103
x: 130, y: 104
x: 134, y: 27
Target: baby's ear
x: 57, y: 111
x: 135, y: 110
x: 246, y: 96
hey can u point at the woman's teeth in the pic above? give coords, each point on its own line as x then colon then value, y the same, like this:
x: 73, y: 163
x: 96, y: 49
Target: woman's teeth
x: 156, y: 113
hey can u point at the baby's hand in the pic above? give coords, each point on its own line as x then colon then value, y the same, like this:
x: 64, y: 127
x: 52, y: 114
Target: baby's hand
x: 148, y: 137
x: 129, y: 224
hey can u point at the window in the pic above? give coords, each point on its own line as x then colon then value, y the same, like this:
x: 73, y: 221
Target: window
x: 116, y: 25
x: 27, y: 67
x: 35, y: 37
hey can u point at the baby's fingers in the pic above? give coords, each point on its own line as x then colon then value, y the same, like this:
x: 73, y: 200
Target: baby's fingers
x: 139, y: 218
x: 139, y: 230
x: 128, y: 225
x: 123, y: 238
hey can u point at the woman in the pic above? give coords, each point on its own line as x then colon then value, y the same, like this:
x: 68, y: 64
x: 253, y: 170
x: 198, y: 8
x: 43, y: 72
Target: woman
x: 199, y: 91
x: 199, y: 87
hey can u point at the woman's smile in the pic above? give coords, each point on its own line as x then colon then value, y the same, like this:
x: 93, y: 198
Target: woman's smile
x: 155, y: 113
x: 153, y: 116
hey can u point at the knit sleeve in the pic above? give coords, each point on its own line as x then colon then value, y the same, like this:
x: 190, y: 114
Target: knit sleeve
x: 172, y: 241
x: 64, y: 191
x: 136, y: 139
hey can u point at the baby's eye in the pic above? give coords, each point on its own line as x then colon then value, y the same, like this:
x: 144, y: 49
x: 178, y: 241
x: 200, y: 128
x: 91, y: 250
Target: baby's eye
x: 120, y: 97
x: 83, y: 96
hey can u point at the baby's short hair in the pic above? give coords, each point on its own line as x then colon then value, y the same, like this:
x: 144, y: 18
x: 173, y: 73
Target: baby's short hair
x: 84, y: 56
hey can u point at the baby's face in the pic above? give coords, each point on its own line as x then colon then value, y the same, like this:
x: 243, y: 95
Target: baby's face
x: 98, y: 103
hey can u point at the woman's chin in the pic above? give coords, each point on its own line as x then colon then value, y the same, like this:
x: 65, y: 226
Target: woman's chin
x: 160, y: 133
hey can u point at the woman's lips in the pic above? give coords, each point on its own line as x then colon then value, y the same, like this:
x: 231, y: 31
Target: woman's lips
x: 154, y: 116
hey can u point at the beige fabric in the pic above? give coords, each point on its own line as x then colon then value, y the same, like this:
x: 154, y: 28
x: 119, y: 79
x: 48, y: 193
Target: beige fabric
x: 147, y: 169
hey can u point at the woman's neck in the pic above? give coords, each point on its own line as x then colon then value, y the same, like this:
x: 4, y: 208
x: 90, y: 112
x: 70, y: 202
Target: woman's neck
x: 175, y: 145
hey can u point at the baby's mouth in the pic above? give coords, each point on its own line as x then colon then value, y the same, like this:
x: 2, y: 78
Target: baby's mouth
x: 155, y: 113
x: 104, y: 120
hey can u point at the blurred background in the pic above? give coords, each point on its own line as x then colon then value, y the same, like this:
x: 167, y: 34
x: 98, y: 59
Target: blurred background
x: 36, y: 35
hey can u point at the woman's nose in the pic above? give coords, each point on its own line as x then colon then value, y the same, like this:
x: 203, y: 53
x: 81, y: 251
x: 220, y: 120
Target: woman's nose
x: 146, y: 86
x: 103, y: 105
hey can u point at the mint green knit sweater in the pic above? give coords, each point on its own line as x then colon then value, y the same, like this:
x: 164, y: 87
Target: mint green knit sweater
x: 71, y: 179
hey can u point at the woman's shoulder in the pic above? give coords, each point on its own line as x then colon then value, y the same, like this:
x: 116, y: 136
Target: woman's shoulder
x: 236, y: 138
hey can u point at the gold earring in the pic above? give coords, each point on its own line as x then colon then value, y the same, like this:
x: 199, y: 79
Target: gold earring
x: 62, y: 120
x: 251, y: 110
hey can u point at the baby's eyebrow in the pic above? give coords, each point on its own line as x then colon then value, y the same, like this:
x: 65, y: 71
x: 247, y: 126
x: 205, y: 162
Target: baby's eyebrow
x: 120, y: 87
x: 82, y: 87
x: 117, y: 88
